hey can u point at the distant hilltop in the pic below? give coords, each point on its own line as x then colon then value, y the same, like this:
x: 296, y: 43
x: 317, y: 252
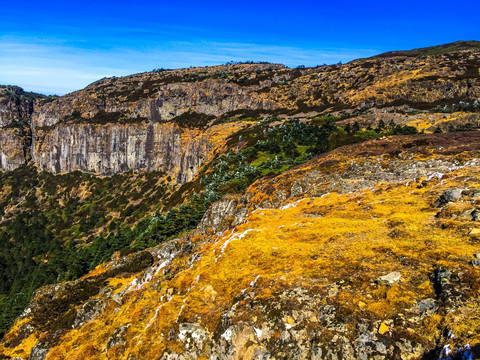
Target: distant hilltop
x: 434, y: 50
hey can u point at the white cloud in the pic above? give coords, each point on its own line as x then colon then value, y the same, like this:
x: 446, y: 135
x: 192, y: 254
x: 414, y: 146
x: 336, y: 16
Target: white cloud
x: 53, y: 67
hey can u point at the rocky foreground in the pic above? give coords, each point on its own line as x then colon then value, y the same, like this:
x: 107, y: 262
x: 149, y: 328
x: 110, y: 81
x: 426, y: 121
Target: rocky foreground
x: 368, y: 252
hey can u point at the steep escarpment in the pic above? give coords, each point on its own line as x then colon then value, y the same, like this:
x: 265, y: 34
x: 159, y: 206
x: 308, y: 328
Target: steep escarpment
x: 12, y: 154
x: 151, y: 121
x: 164, y: 95
x: 116, y: 148
x: 384, y: 270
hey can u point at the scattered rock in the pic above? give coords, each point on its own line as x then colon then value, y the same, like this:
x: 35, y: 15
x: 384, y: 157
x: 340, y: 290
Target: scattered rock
x: 223, y: 214
x: 465, y: 214
x: 427, y: 306
x: 89, y: 311
x: 440, y: 275
x: 448, y: 196
x: 475, y: 215
x: 38, y: 353
x: 390, y: 278
x: 118, y: 337
x: 447, y: 286
x: 476, y: 263
x: 476, y: 194
x: 192, y: 334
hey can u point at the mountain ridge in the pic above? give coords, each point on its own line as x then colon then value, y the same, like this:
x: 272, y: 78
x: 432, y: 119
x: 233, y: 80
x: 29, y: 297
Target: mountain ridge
x: 141, y: 102
x: 458, y: 45
x: 434, y: 50
x: 245, y: 211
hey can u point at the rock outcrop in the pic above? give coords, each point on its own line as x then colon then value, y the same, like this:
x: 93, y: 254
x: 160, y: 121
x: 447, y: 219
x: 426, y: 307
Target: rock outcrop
x: 12, y: 154
x: 152, y: 121
x: 16, y: 107
x: 116, y: 148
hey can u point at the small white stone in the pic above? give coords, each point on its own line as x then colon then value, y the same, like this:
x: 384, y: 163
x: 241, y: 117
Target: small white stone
x: 390, y: 278
x: 227, y: 335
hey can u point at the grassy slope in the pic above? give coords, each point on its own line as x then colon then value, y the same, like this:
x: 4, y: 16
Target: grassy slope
x: 316, y: 244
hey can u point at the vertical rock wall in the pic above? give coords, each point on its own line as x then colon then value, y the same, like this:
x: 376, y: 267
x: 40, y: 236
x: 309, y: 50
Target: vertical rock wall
x: 114, y: 148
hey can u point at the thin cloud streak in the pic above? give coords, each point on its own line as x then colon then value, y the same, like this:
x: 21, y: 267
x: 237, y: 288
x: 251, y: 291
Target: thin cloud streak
x: 53, y: 68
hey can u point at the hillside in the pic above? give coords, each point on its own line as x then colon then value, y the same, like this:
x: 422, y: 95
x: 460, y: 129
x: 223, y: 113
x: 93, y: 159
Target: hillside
x: 301, y: 277
x: 434, y: 50
x: 246, y: 211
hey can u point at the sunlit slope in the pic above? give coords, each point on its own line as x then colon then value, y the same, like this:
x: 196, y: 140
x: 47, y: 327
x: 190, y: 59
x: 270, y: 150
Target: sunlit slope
x: 301, y: 278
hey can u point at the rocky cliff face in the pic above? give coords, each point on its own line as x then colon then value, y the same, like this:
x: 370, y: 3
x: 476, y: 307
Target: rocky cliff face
x: 12, y: 149
x: 116, y: 148
x: 150, y: 121
x: 163, y: 95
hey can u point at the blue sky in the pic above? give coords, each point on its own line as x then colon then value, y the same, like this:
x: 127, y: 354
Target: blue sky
x: 61, y: 46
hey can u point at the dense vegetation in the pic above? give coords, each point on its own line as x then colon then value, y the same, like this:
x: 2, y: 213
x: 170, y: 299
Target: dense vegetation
x: 17, y: 94
x: 49, y: 226
x: 274, y: 146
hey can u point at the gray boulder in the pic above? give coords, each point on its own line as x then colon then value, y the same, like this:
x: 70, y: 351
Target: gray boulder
x: 448, y: 196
